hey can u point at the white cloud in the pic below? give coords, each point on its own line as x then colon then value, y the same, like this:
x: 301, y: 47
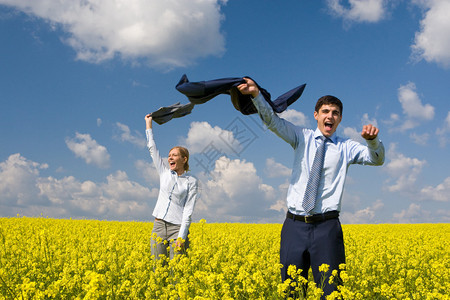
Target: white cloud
x: 60, y: 191
x: 418, y: 214
x: 99, y: 122
x: 370, y: 11
x: 24, y: 191
x: 420, y: 139
x: 235, y: 177
x: 17, y: 180
x: 295, y: 117
x: 274, y: 169
x: 443, y: 131
x: 443, y: 216
x: 148, y: 171
x: 165, y: 33
x: 118, y: 198
x: 235, y: 193
x: 392, y: 122
x: 412, y: 105
x: 363, y: 216
x: 441, y: 192
x: 127, y: 194
x: 404, y: 171
x: 85, y: 147
x: 280, y: 204
x: 414, y: 214
x: 125, y: 135
x: 447, y: 122
x: 413, y: 109
x: 215, y: 141
x: 432, y: 42
x: 395, y: 117
x: 353, y: 134
x: 365, y: 120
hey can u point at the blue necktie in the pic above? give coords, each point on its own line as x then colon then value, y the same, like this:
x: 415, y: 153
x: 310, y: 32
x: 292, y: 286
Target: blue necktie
x: 309, y: 200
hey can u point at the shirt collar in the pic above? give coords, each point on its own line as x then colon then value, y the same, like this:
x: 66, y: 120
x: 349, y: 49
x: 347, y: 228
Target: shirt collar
x: 318, y: 133
x: 185, y: 174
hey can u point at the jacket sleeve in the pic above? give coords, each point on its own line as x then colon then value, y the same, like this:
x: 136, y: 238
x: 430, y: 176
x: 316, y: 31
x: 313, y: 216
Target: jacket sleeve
x: 154, y: 153
x: 284, y: 129
x: 188, y: 210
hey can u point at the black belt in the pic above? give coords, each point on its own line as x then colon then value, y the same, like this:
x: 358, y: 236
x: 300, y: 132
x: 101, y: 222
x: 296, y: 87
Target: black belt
x: 314, y: 218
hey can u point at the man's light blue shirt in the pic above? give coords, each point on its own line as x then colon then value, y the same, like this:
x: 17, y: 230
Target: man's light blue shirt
x: 177, y: 194
x: 340, y: 154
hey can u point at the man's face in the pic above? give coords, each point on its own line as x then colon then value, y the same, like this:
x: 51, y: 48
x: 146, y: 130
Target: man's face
x: 328, y: 119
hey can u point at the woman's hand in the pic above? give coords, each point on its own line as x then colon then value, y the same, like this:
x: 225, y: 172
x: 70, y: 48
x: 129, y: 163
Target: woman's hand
x: 179, y: 245
x: 148, y: 121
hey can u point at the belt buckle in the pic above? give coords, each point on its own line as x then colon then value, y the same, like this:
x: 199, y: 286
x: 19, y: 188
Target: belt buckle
x: 309, y: 219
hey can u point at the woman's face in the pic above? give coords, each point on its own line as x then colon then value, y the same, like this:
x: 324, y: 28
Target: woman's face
x: 176, y: 161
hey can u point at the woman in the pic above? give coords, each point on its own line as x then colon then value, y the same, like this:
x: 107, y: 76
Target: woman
x: 176, y: 199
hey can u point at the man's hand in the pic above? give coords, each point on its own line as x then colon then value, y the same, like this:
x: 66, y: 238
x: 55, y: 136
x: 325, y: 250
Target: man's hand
x: 369, y: 132
x: 249, y: 88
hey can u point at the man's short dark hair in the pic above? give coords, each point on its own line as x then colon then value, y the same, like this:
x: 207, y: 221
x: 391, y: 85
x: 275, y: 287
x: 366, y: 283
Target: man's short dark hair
x: 329, y: 100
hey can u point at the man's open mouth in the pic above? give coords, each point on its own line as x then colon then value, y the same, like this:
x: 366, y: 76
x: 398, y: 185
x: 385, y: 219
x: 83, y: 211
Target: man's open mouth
x: 328, y: 125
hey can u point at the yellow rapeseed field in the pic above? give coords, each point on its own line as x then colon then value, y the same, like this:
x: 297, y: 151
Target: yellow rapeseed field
x: 42, y: 258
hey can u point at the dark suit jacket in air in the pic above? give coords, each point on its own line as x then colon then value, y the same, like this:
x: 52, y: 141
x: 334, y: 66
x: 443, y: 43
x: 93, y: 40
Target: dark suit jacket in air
x: 203, y: 91
x: 177, y: 110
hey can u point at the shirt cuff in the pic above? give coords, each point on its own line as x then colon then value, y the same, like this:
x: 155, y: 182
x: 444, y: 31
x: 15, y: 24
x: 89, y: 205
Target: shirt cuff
x: 253, y: 98
x: 373, y: 144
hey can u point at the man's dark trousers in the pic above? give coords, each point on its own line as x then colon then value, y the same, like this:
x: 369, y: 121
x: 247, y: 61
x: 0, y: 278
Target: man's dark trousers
x: 307, y: 245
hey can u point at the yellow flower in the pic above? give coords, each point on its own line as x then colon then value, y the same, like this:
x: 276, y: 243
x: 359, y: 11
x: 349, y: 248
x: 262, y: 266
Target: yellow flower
x: 324, y: 268
x: 87, y: 259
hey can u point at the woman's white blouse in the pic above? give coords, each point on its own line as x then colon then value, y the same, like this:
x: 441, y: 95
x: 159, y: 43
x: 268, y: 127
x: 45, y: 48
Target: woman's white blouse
x: 177, y: 194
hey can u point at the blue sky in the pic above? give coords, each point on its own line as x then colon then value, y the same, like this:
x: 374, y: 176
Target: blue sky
x: 77, y: 78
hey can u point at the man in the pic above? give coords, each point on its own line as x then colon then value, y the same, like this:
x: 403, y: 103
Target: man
x: 312, y: 233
